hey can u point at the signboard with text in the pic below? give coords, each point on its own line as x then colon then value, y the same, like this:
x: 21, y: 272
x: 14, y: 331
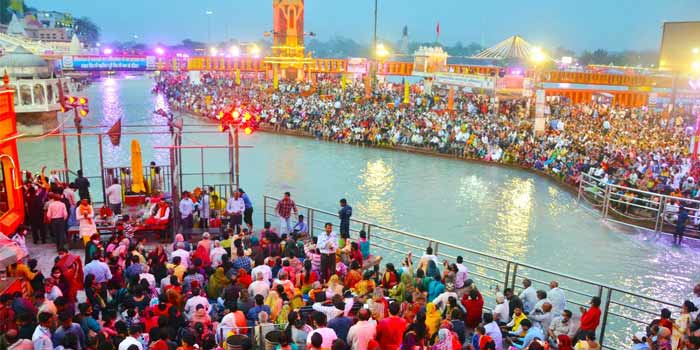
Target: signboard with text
x: 109, y: 63
x: 466, y: 80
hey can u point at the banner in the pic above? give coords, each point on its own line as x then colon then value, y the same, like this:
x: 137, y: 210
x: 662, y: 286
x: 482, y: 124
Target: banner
x: 343, y: 82
x: 465, y: 80
x: 238, y: 77
x: 101, y: 63
x: 451, y: 99
x: 275, y: 79
x: 368, y: 87
x: 406, y: 92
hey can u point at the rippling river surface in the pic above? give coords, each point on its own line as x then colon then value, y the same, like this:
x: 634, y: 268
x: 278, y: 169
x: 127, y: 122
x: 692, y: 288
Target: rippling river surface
x: 507, y: 212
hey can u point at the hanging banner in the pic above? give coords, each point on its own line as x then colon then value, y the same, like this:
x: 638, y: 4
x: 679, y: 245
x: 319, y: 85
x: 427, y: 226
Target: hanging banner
x: 368, y: 87
x: 343, y: 82
x: 451, y: 99
x: 275, y: 79
x: 406, y: 92
x: 465, y: 80
x: 238, y: 77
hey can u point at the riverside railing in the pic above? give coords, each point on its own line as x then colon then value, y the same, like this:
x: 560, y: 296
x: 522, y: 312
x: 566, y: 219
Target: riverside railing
x: 623, y: 312
x: 637, y: 208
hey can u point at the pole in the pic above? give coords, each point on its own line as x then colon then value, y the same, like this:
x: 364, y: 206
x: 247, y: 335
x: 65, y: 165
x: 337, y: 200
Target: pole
x: 230, y: 159
x: 374, y: 41
x: 65, y: 151
x: 102, y: 171
x: 236, y: 149
x: 79, y: 128
x: 201, y: 163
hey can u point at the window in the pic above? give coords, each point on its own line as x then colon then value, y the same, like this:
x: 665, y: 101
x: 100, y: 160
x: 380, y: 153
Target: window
x: 49, y: 94
x: 39, y: 98
x: 4, y: 203
x: 25, y: 93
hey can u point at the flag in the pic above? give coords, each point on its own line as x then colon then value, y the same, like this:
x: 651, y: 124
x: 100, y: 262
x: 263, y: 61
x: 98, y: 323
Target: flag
x: 238, y: 77
x: 115, y: 132
x: 343, y: 82
x: 437, y: 29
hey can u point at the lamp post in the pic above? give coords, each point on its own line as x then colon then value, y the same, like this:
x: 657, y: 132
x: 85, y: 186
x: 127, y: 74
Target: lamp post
x: 537, y: 56
x: 232, y: 120
x: 376, y: 10
x: 79, y: 105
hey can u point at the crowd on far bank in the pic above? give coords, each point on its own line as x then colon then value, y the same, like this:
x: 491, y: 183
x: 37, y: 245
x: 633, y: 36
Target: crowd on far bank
x: 639, y: 148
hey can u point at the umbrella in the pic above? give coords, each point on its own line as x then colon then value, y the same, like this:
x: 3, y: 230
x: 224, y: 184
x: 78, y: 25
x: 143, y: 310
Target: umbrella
x: 10, y: 251
x: 137, y: 185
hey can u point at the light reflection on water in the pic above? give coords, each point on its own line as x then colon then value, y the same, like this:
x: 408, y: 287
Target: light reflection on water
x: 377, y: 184
x: 512, y: 223
x: 501, y: 211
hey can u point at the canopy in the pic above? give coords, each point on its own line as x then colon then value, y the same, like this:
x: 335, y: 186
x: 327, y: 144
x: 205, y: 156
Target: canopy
x: 137, y: 185
x: 515, y: 47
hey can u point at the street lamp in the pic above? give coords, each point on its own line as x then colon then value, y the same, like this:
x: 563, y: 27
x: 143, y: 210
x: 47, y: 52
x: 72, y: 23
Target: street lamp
x: 232, y: 120
x: 80, y: 108
x: 234, y: 51
x: 381, y: 51
x: 213, y: 51
x: 537, y: 56
x: 255, y: 51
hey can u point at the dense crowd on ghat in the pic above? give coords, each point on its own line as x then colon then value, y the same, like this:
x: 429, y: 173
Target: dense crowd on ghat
x: 635, y: 147
x: 247, y: 287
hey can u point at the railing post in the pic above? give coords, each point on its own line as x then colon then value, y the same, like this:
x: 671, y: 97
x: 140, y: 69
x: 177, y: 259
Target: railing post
x: 505, y: 281
x: 264, y: 209
x: 606, y: 311
x: 311, y: 223
x: 606, y: 201
x: 659, y: 224
x: 369, y: 229
x: 436, y: 249
x: 580, y: 186
x: 512, y: 277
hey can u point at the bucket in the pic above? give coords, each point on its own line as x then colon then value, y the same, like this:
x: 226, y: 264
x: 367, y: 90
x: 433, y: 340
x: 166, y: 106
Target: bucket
x: 236, y: 342
x: 272, y: 339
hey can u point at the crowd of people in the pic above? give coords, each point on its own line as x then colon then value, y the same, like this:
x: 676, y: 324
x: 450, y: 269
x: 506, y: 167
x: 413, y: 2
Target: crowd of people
x: 286, y: 289
x: 639, y: 148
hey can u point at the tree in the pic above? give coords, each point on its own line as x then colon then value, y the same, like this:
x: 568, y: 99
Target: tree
x: 87, y: 31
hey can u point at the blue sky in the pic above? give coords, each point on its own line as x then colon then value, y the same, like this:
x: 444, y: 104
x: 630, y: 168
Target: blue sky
x: 610, y: 24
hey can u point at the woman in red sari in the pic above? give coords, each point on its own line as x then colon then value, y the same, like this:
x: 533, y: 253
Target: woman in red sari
x: 244, y: 278
x: 72, y: 270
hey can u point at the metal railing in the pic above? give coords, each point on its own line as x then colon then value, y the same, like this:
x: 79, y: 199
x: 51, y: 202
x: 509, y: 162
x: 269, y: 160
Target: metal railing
x: 623, y: 311
x: 637, y: 208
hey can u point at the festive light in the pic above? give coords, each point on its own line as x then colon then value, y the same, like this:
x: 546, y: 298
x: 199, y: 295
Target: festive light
x: 235, y: 51
x: 83, y: 112
x: 248, y: 130
x: 82, y: 101
x: 107, y: 51
x: 382, y: 51
x: 160, y: 51
x: 213, y: 51
x: 537, y: 55
x: 255, y: 51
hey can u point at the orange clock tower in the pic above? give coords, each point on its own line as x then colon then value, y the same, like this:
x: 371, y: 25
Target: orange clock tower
x: 288, y: 38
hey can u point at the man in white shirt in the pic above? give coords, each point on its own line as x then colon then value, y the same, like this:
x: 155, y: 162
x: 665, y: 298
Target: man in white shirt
x: 493, y: 330
x: 542, y: 318
x: 183, y: 254
x: 528, y: 296
x: 186, y: 210
x: 462, y: 276
x: 193, y: 301
x: 42, y: 333
x: 98, y: 268
x: 427, y: 257
x: 114, y: 197
x: 235, y: 208
x: 264, y: 269
x: 132, y: 339
x: 556, y: 297
x: 327, y: 244
x: 260, y: 286
x: 333, y: 310
x: 216, y: 254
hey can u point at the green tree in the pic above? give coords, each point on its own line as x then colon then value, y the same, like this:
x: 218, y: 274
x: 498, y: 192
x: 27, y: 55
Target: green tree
x: 88, y: 32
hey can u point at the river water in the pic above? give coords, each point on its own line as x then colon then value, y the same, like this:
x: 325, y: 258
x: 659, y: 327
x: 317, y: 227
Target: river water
x: 507, y: 212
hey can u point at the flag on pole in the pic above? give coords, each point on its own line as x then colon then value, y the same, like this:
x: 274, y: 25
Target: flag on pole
x: 115, y: 133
